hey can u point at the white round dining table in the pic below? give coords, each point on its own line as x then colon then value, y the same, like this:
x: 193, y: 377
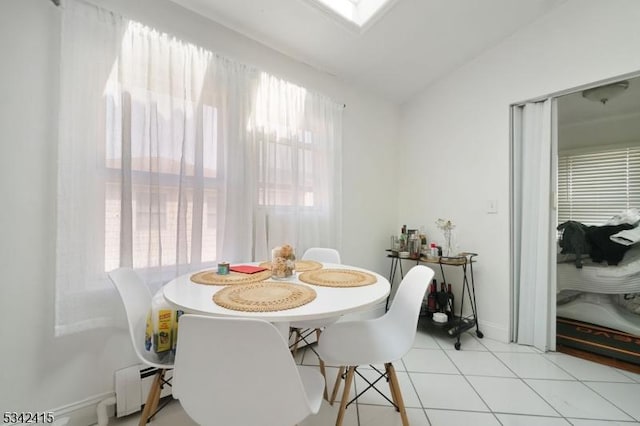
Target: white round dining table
x: 330, y: 302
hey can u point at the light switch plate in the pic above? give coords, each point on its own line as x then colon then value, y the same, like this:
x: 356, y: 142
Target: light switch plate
x: 492, y: 206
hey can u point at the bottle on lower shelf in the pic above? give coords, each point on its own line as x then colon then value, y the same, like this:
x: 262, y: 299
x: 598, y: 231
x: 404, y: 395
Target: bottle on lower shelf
x: 450, y: 305
x: 460, y: 326
x: 431, y: 299
x: 441, y: 298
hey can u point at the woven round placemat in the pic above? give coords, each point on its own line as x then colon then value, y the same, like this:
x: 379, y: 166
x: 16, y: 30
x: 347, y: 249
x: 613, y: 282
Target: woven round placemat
x: 264, y: 296
x: 301, y: 265
x: 337, y: 278
x: 213, y: 278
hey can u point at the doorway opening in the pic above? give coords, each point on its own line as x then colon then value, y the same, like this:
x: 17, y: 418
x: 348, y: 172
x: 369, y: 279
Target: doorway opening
x: 575, y: 126
x: 598, y: 283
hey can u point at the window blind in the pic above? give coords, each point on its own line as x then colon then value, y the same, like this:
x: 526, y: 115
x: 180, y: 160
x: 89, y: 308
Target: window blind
x: 594, y: 186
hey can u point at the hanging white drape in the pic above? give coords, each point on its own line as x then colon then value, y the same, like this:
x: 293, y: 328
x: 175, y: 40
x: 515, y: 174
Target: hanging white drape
x: 295, y: 141
x: 532, y: 225
x: 172, y: 158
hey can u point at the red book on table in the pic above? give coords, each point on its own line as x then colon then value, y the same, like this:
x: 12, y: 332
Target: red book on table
x: 247, y: 269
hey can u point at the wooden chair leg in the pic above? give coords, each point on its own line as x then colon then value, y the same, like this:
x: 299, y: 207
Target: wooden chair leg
x: 395, y: 390
x: 345, y: 395
x: 325, y: 395
x: 391, y: 389
x: 336, y: 386
x: 155, y: 388
x: 156, y: 399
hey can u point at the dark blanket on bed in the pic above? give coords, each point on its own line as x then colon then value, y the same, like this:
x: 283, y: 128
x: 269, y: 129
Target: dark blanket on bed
x: 602, y: 248
x: 581, y: 239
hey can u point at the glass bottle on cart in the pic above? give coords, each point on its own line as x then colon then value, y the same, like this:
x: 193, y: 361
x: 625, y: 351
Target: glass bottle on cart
x: 431, y: 299
x: 450, y: 304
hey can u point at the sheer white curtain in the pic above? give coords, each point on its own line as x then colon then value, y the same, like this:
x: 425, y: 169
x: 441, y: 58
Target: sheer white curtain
x: 172, y: 157
x: 534, y: 153
x: 296, y: 147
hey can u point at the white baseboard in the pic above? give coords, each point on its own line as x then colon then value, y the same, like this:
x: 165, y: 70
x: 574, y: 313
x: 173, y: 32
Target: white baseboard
x: 82, y: 413
x: 494, y: 331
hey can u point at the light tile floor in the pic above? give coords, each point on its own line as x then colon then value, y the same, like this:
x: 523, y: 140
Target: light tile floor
x: 485, y: 383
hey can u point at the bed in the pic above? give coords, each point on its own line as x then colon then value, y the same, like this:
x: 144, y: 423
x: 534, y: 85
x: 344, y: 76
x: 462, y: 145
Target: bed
x: 600, y: 294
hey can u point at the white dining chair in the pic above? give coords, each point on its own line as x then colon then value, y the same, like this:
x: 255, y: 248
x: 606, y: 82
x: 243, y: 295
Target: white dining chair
x: 322, y: 255
x: 303, y: 329
x: 136, y: 298
x: 221, y: 378
x: 378, y: 341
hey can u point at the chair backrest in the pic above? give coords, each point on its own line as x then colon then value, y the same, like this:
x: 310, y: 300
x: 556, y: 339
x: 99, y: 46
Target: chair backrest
x: 237, y: 371
x: 136, y: 298
x: 402, y: 316
x: 322, y: 254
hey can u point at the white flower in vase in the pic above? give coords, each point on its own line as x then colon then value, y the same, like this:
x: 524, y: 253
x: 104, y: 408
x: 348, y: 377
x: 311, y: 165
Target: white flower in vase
x: 447, y: 226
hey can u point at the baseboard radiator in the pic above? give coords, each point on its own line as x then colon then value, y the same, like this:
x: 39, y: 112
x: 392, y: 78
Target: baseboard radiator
x: 132, y: 387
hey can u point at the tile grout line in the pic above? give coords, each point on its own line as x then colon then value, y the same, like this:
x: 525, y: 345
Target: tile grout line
x: 607, y: 399
x: 413, y: 385
x: 464, y: 376
x: 535, y: 392
x: 410, y: 375
x: 585, y: 383
x: 517, y: 376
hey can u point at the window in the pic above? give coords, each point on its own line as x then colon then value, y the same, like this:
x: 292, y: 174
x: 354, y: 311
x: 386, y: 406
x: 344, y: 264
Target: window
x: 593, y: 186
x: 172, y: 157
x: 289, y: 157
x: 285, y: 170
x: 356, y: 12
x: 162, y: 174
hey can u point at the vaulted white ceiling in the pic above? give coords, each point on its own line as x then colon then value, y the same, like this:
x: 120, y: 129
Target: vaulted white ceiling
x: 414, y: 43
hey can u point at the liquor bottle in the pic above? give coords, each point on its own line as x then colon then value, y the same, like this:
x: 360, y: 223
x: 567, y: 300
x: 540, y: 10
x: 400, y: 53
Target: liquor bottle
x: 450, y: 305
x: 431, y: 299
x: 442, y: 298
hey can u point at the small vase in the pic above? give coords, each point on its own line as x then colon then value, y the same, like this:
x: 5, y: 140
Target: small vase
x: 449, y: 247
x: 282, y: 263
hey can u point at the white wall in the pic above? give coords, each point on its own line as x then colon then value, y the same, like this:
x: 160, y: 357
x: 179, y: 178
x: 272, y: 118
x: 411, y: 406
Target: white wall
x: 456, y: 133
x: 40, y: 372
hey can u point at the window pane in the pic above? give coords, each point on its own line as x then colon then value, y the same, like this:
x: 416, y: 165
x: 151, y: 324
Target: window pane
x: 209, y: 225
x: 163, y: 143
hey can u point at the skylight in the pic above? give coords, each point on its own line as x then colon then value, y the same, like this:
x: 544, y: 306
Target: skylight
x: 358, y: 12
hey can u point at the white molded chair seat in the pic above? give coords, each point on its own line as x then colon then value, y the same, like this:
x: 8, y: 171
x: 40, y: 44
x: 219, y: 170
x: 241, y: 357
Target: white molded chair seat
x: 239, y: 372
x: 381, y: 340
x: 136, y: 298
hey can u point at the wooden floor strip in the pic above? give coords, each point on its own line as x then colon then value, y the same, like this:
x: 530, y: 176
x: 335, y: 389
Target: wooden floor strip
x: 599, y: 345
x: 600, y: 359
